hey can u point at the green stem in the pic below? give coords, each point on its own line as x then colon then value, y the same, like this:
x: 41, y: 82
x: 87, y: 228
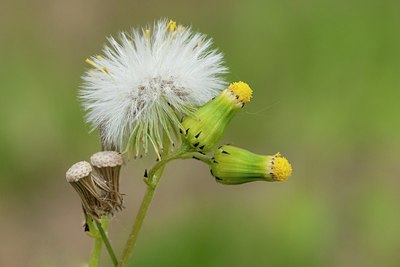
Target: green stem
x: 96, y: 250
x: 198, y: 156
x: 182, y: 153
x: 148, y: 197
x: 95, y: 254
x: 152, y: 181
x: 107, y: 242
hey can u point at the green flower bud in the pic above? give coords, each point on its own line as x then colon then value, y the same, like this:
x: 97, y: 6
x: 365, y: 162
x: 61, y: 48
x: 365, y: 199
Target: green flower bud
x: 206, y: 126
x: 233, y: 165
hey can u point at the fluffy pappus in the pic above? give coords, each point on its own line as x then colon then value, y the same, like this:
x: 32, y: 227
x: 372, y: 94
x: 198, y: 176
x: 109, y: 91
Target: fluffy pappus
x: 146, y: 80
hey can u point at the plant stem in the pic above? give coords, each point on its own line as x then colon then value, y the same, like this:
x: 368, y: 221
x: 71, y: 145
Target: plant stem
x: 148, y: 197
x: 152, y: 181
x: 95, y: 254
x: 182, y: 153
x: 106, y: 241
x: 198, y: 156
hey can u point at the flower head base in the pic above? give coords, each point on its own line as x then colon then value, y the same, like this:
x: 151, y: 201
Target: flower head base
x: 146, y: 80
x: 205, y: 127
x: 233, y: 165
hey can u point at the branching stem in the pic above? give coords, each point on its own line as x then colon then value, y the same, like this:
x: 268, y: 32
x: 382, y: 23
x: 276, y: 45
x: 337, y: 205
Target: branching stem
x: 152, y: 181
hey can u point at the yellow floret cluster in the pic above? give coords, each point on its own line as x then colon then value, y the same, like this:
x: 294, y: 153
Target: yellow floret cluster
x: 281, y: 168
x: 242, y: 90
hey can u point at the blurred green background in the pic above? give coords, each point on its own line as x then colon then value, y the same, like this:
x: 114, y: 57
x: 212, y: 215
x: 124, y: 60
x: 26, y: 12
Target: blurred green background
x: 327, y: 86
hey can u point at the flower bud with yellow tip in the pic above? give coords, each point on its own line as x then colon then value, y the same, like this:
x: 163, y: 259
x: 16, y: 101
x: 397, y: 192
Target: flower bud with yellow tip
x: 233, y: 165
x: 205, y: 127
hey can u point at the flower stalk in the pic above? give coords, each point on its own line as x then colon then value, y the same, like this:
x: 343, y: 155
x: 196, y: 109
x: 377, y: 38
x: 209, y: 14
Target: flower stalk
x: 96, y: 252
x: 152, y: 180
x: 97, y: 230
x: 105, y: 240
x: 137, y: 226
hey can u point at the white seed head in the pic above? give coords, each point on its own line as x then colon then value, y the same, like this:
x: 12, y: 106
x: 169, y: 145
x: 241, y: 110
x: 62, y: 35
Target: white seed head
x: 106, y: 159
x: 78, y: 171
x: 146, y: 80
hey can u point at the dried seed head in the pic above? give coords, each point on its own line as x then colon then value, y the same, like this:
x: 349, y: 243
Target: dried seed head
x: 107, y: 166
x: 78, y: 171
x: 80, y: 176
x: 106, y: 159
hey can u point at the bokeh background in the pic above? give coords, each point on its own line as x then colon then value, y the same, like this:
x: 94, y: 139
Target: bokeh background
x: 327, y: 90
